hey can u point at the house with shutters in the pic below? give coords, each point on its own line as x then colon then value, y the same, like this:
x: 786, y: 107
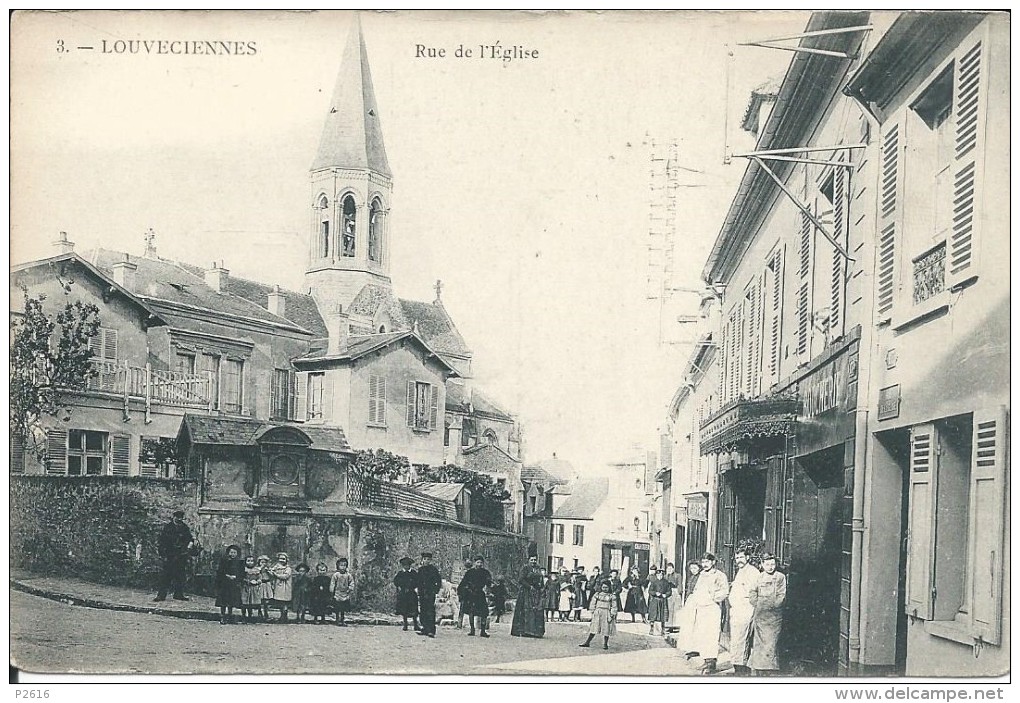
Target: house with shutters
x: 342, y: 357
x: 934, y: 507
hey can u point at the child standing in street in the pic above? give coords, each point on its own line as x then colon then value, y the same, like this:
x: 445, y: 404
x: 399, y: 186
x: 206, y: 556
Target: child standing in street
x: 499, y: 596
x: 283, y: 587
x: 341, y: 586
x: 319, y: 594
x: 302, y: 582
x: 566, y: 601
x: 251, y: 590
x: 266, y: 578
x: 603, y: 609
x: 229, y: 576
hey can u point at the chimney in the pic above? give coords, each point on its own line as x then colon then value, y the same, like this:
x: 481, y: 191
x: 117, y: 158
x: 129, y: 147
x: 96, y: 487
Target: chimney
x: 124, y: 272
x: 63, y: 244
x: 216, y: 277
x: 150, y: 244
x: 339, y: 328
x: 277, y: 302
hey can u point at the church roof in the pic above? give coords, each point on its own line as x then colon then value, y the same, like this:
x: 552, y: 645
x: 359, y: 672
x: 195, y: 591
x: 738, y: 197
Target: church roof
x: 456, y: 401
x: 352, y: 135
x: 435, y: 326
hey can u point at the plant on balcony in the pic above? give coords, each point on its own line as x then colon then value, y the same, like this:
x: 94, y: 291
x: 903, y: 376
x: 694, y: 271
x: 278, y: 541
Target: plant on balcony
x: 50, y: 357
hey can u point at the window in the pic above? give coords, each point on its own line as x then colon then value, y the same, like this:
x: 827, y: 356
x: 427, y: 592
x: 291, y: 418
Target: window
x: 533, y: 504
x: 209, y: 367
x: 232, y: 398
x: 556, y: 534
x: 316, y: 381
x: 349, y: 226
x: 446, y: 436
x: 185, y: 363
x: 578, y: 535
x: 377, y: 400
x: 323, y: 219
x: 86, y: 453
x: 955, y: 527
x: 281, y: 393
x: 490, y: 437
x: 555, y: 563
x: 422, y: 406
x: 157, y: 457
x: 103, y: 347
x: 374, y: 232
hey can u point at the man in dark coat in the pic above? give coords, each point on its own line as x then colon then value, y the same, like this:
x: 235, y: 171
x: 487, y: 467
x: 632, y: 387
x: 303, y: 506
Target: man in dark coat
x: 429, y: 583
x: 472, y: 593
x: 406, y: 581
x: 175, y: 545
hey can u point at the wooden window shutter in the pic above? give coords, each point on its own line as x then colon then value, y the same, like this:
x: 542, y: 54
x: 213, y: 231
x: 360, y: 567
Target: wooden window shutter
x: 372, y: 419
x: 889, y: 221
x: 301, y: 395
x: 380, y: 402
x: 56, y: 452
x: 291, y: 393
x: 802, y: 319
x: 987, y: 508
x: 273, y: 393
x: 840, y: 208
x: 775, y: 333
x: 327, y: 396
x: 120, y: 455
x: 96, y: 345
x: 17, y: 454
x: 410, y: 403
x: 921, y: 521
x: 110, y: 345
x: 806, y: 230
x: 968, y: 106
x: 433, y: 407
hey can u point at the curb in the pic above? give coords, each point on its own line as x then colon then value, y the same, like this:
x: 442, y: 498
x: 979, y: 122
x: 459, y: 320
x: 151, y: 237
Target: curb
x: 211, y: 616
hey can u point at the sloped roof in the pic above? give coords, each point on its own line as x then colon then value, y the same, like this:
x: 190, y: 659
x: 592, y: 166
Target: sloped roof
x: 442, y: 491
x: 352, y: 136
x: 585, y: 499
x: 536, y: 474
x: 456, y: 401
x: 435, y: 326
x: 240, y: 431
x: 560, y: 468
x: 299, y: 308
x: 489, y: 459
x: 766, y: 91
x: 170, y: 281
x: 360, y: 345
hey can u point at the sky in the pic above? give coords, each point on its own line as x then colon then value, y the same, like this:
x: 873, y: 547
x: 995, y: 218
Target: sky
x: 524, y: 185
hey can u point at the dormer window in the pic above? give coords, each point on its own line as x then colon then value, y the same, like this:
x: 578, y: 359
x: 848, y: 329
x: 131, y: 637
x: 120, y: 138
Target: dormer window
x: 323, y: 208
x: 349, y: 230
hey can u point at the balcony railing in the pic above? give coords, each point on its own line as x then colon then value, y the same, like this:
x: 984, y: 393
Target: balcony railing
x: 152, y: 385
x: 930, y: 274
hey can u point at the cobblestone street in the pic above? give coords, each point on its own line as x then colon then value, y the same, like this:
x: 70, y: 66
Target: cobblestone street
x: 48, y: 636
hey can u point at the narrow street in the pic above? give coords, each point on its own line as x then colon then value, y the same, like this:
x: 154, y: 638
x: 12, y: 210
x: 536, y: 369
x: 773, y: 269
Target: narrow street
x: 48, y: 636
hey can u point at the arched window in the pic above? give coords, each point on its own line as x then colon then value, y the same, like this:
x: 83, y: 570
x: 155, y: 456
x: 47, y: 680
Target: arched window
x: 490, y: 437
x: 382, y: 329
x: 375, y: 232
x: 349, y: 226
x: 323, y: 215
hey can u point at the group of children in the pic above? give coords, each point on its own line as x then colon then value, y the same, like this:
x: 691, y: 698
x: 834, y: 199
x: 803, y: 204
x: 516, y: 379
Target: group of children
x: 254, y: 587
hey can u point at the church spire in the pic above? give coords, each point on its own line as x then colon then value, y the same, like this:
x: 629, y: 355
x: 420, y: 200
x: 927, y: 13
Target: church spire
x: 352, y: 136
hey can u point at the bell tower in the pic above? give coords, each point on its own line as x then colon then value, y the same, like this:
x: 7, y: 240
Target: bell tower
x: 348, y: 244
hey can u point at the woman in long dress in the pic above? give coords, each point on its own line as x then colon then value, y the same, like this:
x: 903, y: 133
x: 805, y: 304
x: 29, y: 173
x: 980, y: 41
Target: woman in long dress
x: 529, y: 618
x: 767, y: 597
x: 603, y: 615
x: 635, y: 603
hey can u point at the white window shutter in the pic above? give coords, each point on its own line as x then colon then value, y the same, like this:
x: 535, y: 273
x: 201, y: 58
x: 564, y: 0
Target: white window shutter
x: 110, y: 345
x: 433, y: 407
x: 291, y: 395
x: 327, y: 396
x: 410, y: 403
x: 273, y: 394
x: 301, y: 396
x: 775, y: 332
x: 889, y: 220
x: 803, y: 315
x: 987, y: 512
x: 968, y: 107
x: 380, y: 402
x: 96, y: 345
x: 921, y: 521
x: 371, y: 401
x: 120, y: 455
x: 839, y: 231
x: 56, y: 452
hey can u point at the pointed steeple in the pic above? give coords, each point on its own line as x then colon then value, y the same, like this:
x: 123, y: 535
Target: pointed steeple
x: 352, y: 137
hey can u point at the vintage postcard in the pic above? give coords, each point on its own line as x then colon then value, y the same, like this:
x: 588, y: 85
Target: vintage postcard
x: 509, y: 344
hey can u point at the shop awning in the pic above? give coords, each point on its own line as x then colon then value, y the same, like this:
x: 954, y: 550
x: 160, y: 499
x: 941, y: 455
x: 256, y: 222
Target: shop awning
x: 740, y: 423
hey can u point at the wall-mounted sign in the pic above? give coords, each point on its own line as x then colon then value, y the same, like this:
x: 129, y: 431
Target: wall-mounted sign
x: 697, y: 508
x: 889, y: 403
x: 891, y: 359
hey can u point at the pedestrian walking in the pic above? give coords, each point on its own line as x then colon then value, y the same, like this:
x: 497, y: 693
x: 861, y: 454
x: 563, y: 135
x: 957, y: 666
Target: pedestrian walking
x: 429, y: 584
x: 742, y: 611
x: 229, y: 577
x: 499, y: 597
x: 175, y: 546
x: 251, y: 591
x: 768, y: 597
x: 706, y: 602
x: 604, y: 609
x: 319, y: 594
x: 635, y: 603
x: 406, y: 583
x: 529, y: 619
x: 300, y: 588
x: 341, y: 588
x: 472, y: 592
x: 659, y: 590
x: 283, y: 587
